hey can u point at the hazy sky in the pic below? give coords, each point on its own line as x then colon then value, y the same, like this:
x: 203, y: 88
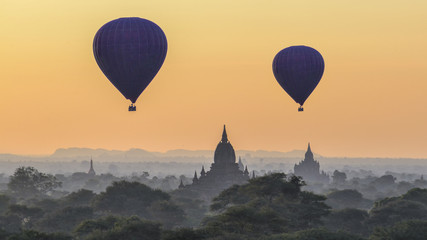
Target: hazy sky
x: 371, y: 100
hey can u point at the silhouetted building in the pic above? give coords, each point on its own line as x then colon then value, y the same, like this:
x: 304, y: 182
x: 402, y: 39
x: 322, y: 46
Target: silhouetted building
x: 246, y: 172
x: 338, y: 177
x: 181, y: 185
x: 203, y: 173
x: 195, y: 179
x: 224, y: 171
x: 91, y: 171
x: 309, y: 169
x: 241, y: 167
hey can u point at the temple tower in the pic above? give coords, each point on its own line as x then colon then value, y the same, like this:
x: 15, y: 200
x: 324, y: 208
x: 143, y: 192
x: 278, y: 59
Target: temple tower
x: 91, y: 171
x: 309, y: 169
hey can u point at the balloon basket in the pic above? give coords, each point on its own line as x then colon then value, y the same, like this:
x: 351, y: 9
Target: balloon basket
x: 132, y: 108
x: 300, y: 109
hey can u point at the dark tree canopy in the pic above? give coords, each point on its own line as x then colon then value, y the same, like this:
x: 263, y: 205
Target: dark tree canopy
x: 315, y: 234
x: 82, y: 197
x: 4, y: 203
x: 65, y: 220
x: 113, y: 228
x: 101, y: 224
x: 28, y: 182
x: 20, y: 216
x: 183, y: 234
x: 349, y: 219
x: 339, y: 177
x: 396, y: 211
x: 409, y: 206
x: 266, y: 205
x: 133, y: 198
x: 266, y: 188
x: 413, y: 230
x: 128, y: 198
x: 417, y: 195
x: 347, y: 198
x: 35, y: 235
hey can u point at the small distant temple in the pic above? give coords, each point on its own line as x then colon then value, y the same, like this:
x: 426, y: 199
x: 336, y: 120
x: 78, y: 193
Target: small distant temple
x: 224, y: 172
x: 309, y: 169
x: 241, y: 166
x: 91, y: 171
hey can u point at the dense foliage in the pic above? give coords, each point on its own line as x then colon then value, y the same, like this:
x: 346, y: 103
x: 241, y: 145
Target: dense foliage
x: 28, y: 182
x: 267, y: 205
x: 271, y: 207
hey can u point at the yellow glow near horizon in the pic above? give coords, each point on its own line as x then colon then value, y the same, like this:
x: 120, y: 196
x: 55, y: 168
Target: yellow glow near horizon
x: 370, y: 102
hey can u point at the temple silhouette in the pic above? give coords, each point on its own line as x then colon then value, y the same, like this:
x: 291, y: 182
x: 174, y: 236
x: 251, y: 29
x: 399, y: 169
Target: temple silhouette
x: 91, y: 171
x: 224, y: 172
x: 309, y: 169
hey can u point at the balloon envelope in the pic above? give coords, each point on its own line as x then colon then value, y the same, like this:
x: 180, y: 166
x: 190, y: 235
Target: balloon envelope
x: 298, y: 69
x: 130, y: 52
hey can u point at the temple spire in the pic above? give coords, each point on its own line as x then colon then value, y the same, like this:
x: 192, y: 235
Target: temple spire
x: 181, y: 185
x: 309, y: 154
x: 203, y: 173
x: 195, y: 179
x: 91, y: 170
x: 241, y: 167
x: 224, y: 136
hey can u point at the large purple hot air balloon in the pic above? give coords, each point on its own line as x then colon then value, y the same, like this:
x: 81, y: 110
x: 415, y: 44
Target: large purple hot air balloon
x: 298, y: 69
x: 130, y: 52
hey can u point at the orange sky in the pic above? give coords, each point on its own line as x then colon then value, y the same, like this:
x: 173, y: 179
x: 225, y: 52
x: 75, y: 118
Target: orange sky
x: 371, y: 100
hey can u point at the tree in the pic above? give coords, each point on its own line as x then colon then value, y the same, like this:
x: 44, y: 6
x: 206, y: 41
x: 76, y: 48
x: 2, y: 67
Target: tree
x: 133, y: 198
x: 417, y: 195
x: 112, y: 228
x: 4, y: 203
x: 183, y: 234
x: 347, y: 198
x: 393, y: 211
x: 87, y: 227
x: 266, y: 205
x: 128, y: 198
x: 10, y: 223
x: 28, y: 182
x: 22, y: 216
x: 64, y: 220
x: 166, y: 212
x: 247, y: 220
x: 384, y: 182
x: 34, y: 235
x: 194, y: 208
x: 350, y: 220
x: 413, y: 230
x: 82, y: 197
x: 317, y: 234
x: 46, y: 205
x: 267, y: 188
x: 338, y: 177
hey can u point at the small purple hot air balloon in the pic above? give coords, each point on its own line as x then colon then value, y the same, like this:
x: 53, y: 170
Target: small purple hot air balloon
x: 130, y: 52
x: 298, y: 69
